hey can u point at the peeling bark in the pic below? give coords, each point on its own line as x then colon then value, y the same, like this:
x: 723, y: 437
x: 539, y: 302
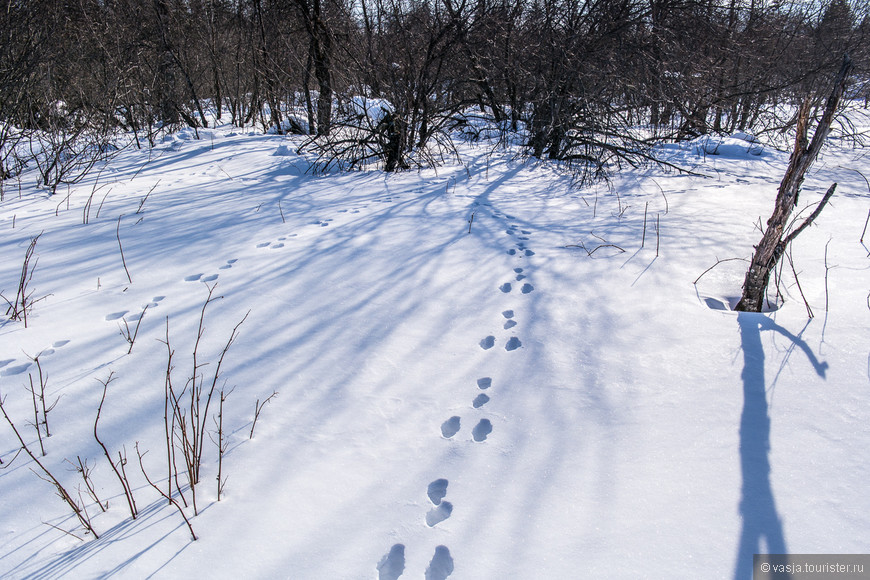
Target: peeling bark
x: 774, y: 241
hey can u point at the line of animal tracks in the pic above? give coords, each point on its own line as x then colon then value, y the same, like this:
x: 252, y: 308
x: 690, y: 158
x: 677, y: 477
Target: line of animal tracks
x: 392, y: 565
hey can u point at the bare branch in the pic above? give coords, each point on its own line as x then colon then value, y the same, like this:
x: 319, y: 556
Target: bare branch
x: 257, y: 408
x: 164, y: 494
x: 121, y: 249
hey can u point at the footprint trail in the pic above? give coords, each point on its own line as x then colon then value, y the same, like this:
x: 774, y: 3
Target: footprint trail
x: 392, y: 565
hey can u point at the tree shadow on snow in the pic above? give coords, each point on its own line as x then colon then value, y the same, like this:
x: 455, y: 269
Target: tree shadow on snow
x: 757, y: 506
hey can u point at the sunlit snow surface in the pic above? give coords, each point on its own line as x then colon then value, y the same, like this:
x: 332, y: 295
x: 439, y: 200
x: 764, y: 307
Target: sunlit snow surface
x: 545, y: 396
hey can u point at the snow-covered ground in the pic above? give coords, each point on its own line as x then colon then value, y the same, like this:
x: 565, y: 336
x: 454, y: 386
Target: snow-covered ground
x: 474, y: 398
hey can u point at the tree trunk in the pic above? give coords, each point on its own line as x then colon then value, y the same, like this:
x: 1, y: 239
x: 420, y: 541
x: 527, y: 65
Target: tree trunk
x: 309, y: 105
x: 772, y: 245
x: 323, y: 73
x: 320, y: 55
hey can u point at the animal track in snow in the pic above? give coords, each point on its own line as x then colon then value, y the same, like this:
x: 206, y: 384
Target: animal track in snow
x: 441, y: 565
x: 450, y: 427
x: 229, y: 264
x: 529, y: 253
x: 513, y: 343
x: 484, y: 383
x: 116, y: 315
x: 44, y: 352
x: 480, y: 400
x: 521, y: 277
x: 276, y: 246
x: 527, y: 288
x: 510, y: 324
x: 263, y: 244
x: 506, y: 287
x: 437, y: 490
x: 392, y: 564
x: 525, y: 232
x: 481, y: 430
x: 508, y: 313
x: 211, y: 278
x: 16, y: 370
x: 512, y: 252
x: 154, y: 301
x: 487, y: 343
x: 439, y: 513
x: 193, y: 277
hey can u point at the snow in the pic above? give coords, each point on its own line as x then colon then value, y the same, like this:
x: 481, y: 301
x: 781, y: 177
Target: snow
x: 493, y: 404
x: 736, y: 146
x: 373, y: 109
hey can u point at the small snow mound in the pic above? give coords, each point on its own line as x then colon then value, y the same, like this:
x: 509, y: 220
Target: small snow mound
x: 726, y: 147
x: 188, y: 134
x: 374, y: 109
x: 745, y: 137
x: 175, y: 141
x: 291, y: 125
x: 282, y: 151
x: 172, y: 143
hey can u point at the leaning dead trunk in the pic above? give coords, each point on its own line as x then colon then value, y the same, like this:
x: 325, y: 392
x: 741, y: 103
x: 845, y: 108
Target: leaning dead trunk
x: 774, y: 241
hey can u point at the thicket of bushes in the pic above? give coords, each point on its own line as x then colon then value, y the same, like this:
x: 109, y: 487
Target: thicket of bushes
x: 571, y: 77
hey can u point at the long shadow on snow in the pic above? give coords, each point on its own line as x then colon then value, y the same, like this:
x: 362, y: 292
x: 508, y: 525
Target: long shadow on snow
x: 757, y: 505
x: 153, y: 515
x: 421, y: 266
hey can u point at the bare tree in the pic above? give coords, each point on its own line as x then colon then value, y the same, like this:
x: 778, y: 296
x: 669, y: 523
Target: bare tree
x: 320, y: 53
x: 776, y: 238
